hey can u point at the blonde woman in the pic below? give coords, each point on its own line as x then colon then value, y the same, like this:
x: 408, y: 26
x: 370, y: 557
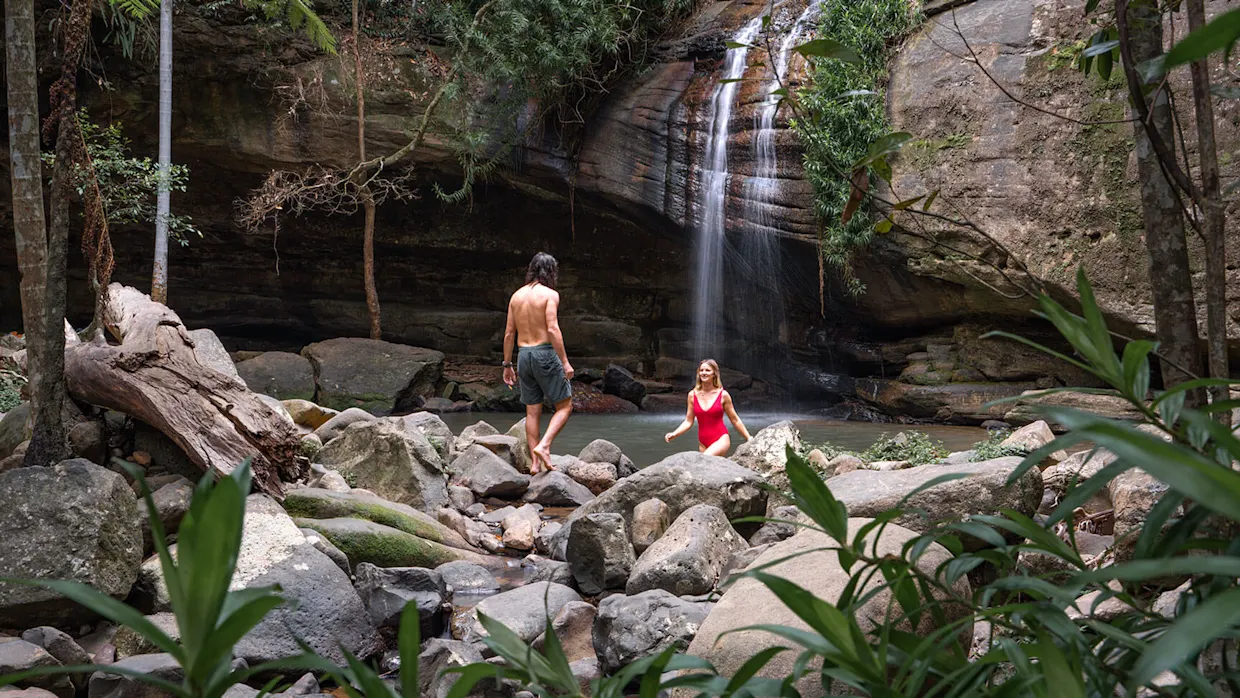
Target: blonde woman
x: 707, y: 403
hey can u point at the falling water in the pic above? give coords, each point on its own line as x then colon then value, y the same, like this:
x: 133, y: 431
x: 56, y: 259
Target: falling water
x: 708, y: 308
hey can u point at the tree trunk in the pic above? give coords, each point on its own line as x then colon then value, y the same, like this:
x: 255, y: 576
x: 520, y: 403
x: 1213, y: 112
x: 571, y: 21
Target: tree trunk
x: 159, y: 274
x: 155, y: 376
x: 1214, y: 218
x: 41, y: 261
x: 1175, y: 313
x: 368, y: 201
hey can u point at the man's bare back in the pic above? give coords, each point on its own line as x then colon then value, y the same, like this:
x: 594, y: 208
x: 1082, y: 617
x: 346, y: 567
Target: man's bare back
x: 528, y: 309
x: 542, y: 364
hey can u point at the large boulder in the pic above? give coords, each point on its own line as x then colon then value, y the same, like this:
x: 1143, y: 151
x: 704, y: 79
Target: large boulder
x: 805, y: 560
x: 599, y: 552
x: 433, y: 428
x: 682, y: 481
x: 280, y: 374
x: 394, y: 463
x: 524, y: 610
x: 555, y: 489
x: 382, y: 546
x: 14, y: 429
x: 689, y: 558
x: 338, y: 422
x: 75, y: 520
x: 601, y: 451
x: 983, y: 490
x: 521, y: 454
x: 211, y: 353
x: 374, y: 375
x: 629, y: 628
x: 618, y: 381
x: 324, y: 610
x: 472, y: 432
x: 313, y: 503
x: 597, y: 477
x: 387, y: 590
x: 767, y: 451
x: 488, y: 475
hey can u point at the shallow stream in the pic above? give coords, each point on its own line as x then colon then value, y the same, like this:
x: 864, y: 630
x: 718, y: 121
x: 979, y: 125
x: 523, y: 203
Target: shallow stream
x: 640, y: 436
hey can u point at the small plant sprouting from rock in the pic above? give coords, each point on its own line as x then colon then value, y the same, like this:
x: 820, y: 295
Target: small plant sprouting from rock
x: 993, y: 447
x: 912, y: 446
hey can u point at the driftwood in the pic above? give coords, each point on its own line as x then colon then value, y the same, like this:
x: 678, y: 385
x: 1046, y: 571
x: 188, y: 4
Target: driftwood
x: 154, y: 376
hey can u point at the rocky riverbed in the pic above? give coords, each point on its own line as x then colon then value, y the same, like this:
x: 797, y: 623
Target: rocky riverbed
x: 626, y: 558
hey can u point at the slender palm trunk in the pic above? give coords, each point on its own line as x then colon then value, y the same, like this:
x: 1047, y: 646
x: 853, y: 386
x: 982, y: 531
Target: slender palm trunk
x: 41, y: 261
x: 368, y: 201
x: 1175, y: 313
x: 159, y: 274
x: 1215, y: 215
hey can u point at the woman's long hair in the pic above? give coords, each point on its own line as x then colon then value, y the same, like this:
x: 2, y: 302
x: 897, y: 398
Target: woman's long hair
x: 697, y: 376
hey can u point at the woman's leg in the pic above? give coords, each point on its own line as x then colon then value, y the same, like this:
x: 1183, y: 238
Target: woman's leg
x: 720, y: 447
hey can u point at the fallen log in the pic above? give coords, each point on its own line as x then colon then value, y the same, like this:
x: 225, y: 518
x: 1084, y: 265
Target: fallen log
x: 154, y: 375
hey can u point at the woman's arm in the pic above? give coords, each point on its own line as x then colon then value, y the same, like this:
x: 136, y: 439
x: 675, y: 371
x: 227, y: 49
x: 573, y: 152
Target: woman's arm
x: 730, y: 409
x: 684, y: 426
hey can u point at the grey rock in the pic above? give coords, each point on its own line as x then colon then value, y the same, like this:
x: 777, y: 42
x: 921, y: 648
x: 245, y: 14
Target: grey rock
x: 501, y: 445
x: 488, y: 475
x: 522, y: 452
x: 439, y: 655
x: 371, y: 374
x: 471, y: 432
x: 524, y: 610
x: 520, y: 527
x: 321, y: 544
x: 597, y: 477
x: 629, y: 628
x: 282, y: 375
x: 618, y: 381
x: 544, y: 540
x: 433, y: 428
x: 394, y: 463
x: 58, y: 644
x: 688, y: 558
x: 982, y: 491
x: 89, y: 439
x: 75, y: 520
x: 20, y: 655
x: 555, y: 489
x: 601, y: 451
x: 650, y: 519
x: 460, y: 497
x: 766, y: 453
x: 211, y: 353
x: 129, y: 642
x: 387, y: 590
x: 574, y: 627
x: 599, y: 552
x: 14, y: 429
x: 739, y: 561
x: 171, y: 504
x: 497, y: 516
x: 305, y: 686
x: 337, y: 424
x: 625, y: 467
x: 775, y: 531
x: 467, y: 577
x: 160, y: 666
x: 544, y: 569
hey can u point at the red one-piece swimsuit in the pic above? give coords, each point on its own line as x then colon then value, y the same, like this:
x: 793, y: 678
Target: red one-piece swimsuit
x: 710, y: 421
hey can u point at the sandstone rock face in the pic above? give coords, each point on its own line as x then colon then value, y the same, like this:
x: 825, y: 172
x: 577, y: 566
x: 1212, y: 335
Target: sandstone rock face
x: 392, y: 462
x: 75, y: 520
x: 748, y: 601
x: 282, y: 375
x: 869, y: 492
x: 371, y: 374
x: 689, y: 558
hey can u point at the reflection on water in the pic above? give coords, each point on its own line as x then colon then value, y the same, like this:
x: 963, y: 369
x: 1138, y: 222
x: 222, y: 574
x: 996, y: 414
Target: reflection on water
x: 640, y: 436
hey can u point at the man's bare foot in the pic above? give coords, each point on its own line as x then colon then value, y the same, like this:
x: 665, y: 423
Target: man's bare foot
x: 542, y: 454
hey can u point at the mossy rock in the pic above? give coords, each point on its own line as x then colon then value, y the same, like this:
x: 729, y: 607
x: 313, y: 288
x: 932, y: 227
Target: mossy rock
x: 324, y: 504
x: 383, y: 546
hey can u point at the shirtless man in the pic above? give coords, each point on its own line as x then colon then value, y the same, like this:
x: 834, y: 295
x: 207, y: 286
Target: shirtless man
x: 542, y: 364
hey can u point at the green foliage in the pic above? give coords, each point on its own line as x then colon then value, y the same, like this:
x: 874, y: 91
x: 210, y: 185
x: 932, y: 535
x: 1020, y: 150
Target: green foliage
x: 993, y: 447
x: 11, y: 384
x: 912, y: 446
x: 843, y: 111
x: 128, y: 186
x: 298, y: 16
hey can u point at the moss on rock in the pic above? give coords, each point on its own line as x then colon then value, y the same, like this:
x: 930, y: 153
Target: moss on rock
x: 324, y: 504
x: 384, y: 546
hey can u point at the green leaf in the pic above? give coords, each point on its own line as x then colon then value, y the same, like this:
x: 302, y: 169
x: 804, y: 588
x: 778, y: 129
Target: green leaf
x: 1101, y: 48
x: 139, y: 676
x: 750, y: 668
x: 827, y: 48
x: 882, y: 147
x: 930, y: 200
x: 1189, y: 634
x: 1220, y: 34
x: 1141, y: 570
x: 737, y: 44
x: 409, y: 643
x: 883, y: 226
x: 900, y: 206
x: 1137, y: 366
x: 1105, y: 63
x: 815, y: 499
x: 1062, y: 680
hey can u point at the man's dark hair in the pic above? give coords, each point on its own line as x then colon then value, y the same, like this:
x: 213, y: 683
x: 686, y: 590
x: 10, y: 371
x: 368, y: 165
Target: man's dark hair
x: 543, y: 269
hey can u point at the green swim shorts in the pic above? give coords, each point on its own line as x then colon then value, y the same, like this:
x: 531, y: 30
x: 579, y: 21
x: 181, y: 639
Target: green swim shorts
x: 542, y: 375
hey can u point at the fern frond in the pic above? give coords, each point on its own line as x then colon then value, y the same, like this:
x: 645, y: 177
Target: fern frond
x: 136, y: 9
x: 299, y: 16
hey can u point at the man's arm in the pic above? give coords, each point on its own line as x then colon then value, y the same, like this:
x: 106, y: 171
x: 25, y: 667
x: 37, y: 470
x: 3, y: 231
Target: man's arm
x: 510, y: 339
x: 557, y: 337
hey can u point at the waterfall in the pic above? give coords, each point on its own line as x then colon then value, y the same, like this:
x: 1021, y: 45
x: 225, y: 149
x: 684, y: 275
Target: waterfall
x: 710, y: 232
